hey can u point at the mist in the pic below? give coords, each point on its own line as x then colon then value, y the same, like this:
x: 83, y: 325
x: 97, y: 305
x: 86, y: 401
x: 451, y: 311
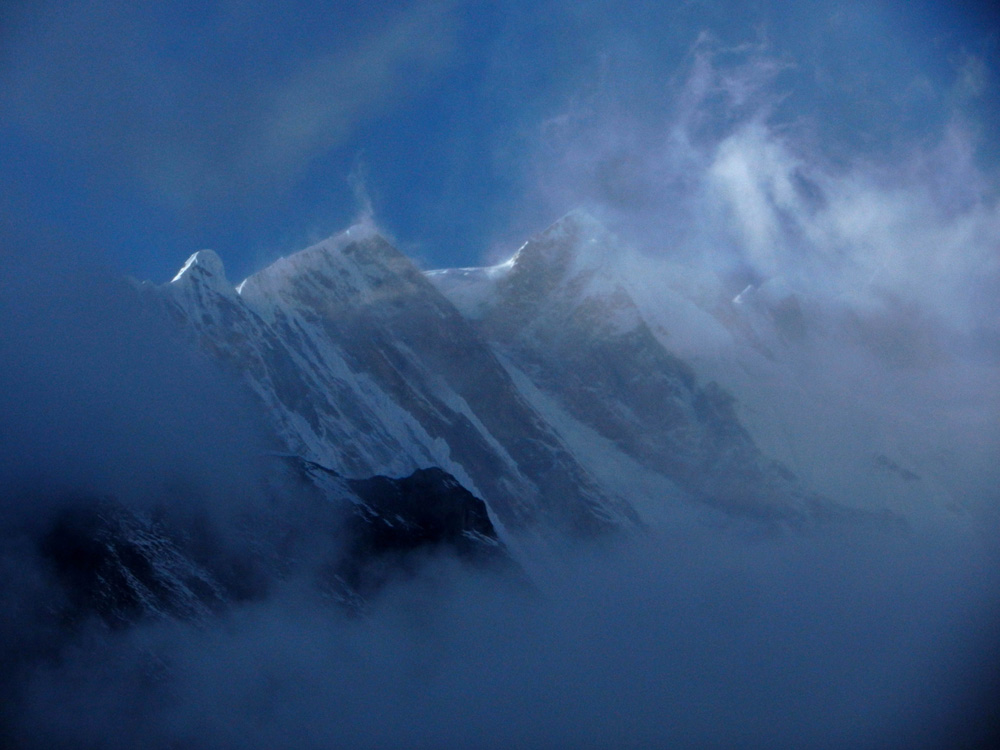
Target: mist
x: 722, y: 165
x: 100, y: 394
x: 102, y: 401
x: 689, y: 638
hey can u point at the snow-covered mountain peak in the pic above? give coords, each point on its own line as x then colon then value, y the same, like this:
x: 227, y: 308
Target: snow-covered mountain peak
x: 200, y: 283
x: 359, y: 265
x: 578, y: 223
x: 323, y: 257
x: 571, y: 274
x: 574, y: 244
x: 577, y: 236
x: 202, y: 264
x: 574, y: 259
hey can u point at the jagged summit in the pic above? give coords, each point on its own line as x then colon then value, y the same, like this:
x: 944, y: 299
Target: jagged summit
x: 201, y: 280
x: 577, y: 239
x: 204, y: 263
x: 577, y: 251
x: 356, y: 259
x: 578, y: 236
x: 572, y: 270
x: 363, y: 366
x: 575, y: 255
x: 359, y: 264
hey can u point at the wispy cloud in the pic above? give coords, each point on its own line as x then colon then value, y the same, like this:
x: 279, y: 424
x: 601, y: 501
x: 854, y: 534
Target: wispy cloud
x: 724, y: 170
x: 233, y: 101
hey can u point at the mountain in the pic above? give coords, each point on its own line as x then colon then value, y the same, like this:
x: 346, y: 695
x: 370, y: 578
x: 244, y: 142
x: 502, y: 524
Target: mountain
x: 562, y: 316
x: 574, y: 390
x: 538, y: 384
x: 850, y: 389
x: 363, y: 367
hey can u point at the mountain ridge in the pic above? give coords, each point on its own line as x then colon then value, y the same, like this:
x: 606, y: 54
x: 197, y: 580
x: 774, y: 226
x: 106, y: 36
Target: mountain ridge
x: 370, y: 366
x: 361, y: 350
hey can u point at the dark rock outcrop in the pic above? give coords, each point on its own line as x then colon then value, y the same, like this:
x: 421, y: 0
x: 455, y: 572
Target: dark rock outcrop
x: 349, y: 536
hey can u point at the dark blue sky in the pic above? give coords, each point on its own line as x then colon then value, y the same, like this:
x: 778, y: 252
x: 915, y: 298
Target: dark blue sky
x: 148, y: 130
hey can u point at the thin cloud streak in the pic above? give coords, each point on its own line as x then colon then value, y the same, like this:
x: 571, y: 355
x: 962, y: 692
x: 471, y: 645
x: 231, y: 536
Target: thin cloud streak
x: 212, y: 115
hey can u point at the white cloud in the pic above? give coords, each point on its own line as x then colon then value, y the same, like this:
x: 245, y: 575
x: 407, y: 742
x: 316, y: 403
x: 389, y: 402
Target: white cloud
x: 717, y: 173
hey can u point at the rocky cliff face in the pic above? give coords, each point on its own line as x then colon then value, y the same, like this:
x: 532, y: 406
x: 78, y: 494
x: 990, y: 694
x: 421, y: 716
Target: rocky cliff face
x: 346, y: 538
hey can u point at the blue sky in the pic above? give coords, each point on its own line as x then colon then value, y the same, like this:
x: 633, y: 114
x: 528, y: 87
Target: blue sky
x: 144, y: 131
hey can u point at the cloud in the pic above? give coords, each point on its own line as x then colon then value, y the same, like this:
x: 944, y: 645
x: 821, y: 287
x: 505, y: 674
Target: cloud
x: 99, y: 394
x: 723, y: 170
x: 693, y: 636
x: 824, y: 642
x: 231, y: 101
x: 727, y: 175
